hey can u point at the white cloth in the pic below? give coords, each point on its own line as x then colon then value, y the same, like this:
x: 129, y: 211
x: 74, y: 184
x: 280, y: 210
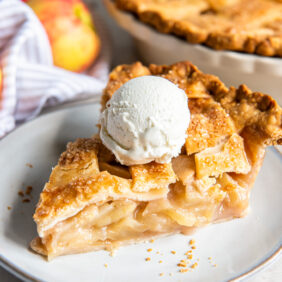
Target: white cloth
x: 30, y: 80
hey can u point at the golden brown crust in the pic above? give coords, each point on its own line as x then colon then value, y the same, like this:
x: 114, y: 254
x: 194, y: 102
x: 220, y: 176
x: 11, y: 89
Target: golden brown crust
x: 77, y: 182
x: 254, y: 112
x: 78, y: 152
x: 253, y: 26
x: 153, y: 174
x: 228, y: 157
x: 209, y: 125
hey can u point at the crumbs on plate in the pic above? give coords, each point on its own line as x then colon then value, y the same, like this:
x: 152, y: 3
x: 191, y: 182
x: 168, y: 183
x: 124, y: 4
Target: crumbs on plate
x: 28, y: 190
x: 26, y: 200
x: 187, y: 264
x: 26, y: 195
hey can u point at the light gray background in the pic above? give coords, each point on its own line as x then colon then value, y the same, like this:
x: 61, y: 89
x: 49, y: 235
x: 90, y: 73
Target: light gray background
x: 123, y: 53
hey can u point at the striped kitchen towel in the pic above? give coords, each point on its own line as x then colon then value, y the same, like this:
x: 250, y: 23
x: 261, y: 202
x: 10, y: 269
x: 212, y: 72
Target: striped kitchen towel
x: 30, y: 81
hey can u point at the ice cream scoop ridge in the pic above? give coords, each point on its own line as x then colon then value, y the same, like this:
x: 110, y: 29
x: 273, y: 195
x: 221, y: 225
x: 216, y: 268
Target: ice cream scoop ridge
x: 145, y: 120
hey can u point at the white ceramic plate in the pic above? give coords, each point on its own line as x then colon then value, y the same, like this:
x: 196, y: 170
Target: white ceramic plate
x: 237, y: 247
x: 260, y: 73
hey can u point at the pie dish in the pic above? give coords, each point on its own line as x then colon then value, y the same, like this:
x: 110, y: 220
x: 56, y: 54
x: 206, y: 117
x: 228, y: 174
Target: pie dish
x: 91, y: 202
x: 253, y: 26
x: 260, y: 73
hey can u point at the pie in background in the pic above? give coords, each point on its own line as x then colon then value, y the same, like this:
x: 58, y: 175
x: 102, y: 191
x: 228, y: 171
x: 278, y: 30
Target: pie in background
x: 253, y: 26
x: 91, y: 202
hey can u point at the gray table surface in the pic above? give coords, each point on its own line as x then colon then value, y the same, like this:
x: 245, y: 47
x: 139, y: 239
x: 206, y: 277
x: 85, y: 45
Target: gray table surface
x: 123, y: 53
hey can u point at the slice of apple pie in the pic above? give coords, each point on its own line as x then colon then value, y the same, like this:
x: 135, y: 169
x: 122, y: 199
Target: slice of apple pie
x: 93, y: 202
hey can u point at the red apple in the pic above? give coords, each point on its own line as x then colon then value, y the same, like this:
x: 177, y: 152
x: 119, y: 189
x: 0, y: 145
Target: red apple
x: 71, y: 32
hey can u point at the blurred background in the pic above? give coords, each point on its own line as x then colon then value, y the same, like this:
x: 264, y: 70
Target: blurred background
x: 113, y: 47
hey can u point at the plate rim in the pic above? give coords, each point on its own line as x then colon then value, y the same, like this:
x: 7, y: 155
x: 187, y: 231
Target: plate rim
x: 26, y: 276
x: 49, y: 110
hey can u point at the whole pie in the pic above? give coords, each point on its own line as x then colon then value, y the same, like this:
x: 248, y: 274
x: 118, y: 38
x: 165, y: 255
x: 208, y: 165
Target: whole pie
x: 253, y: 26
x: 92, y: 202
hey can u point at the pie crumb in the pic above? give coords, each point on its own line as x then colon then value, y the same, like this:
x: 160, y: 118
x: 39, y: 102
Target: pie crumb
x: 192, y: 242
x: 162, y: 274
x: 160, y: 261
x: 9, y: 207
x: 21, y: 193
x: 147, y: 259
x: 26, y: 200
x: 149, y: 250
x: 29, y: 165
x: 106, y: 265
x: 193, y: 247
x: 173, y: 252
x: 28, y: 190
x: 152, y: 241
x: 194, y: 265
x: 182, y: 270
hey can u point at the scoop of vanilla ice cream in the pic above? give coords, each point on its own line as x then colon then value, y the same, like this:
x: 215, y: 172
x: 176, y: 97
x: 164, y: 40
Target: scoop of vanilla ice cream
x: 145, y: 120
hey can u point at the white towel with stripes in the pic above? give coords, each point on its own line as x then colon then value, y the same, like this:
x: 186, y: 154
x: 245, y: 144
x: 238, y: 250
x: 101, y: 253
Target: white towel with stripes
x: 30, y: 80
